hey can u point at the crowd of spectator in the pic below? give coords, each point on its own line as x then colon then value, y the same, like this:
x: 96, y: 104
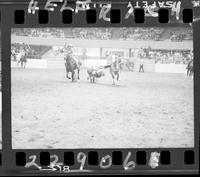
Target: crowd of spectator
x: 176, y: 57
x: 92, y: 33
x: 162, y: 56
x: 180, y: 35
x: 167, y: 56
x: 17, y: 47
x: 141, y: 33
x: 177, y: 36
x: 153, y: 34
x: 39, y: 32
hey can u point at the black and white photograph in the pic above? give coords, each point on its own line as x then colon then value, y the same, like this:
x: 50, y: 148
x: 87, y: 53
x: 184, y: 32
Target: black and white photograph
x: 0, y: 99
x: 78, y: 88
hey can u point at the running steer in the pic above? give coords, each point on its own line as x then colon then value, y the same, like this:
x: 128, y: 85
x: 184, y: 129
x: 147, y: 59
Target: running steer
x: 93, y: 74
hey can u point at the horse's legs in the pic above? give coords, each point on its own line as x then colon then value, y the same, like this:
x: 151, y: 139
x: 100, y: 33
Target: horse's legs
x: 89, y: 77
x: 188, y: 72
x: 114, y: 81
x: 78, y: 71
x: 191, y: 76
x: 18, y: 62
x: 113, y: 77
x: 68, y: 76
x: 72, y: 76
x: 67, y: 72
x: 128, y: 67
x: 117, y: 76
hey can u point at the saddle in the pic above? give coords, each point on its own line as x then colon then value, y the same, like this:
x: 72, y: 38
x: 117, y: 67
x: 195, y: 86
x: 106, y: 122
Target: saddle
x: 72, y: 61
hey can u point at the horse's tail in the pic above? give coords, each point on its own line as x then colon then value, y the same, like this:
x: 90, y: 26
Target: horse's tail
x: 107, y: 66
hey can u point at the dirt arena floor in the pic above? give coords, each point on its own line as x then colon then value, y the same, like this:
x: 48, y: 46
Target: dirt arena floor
x: 146, y: 110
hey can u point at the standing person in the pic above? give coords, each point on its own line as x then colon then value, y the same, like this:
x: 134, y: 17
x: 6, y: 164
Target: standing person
x: 71, y: 62
x: 189, y: 67
x: 23, y: 58
x: 13, y: 53
x: 141, y: 67
x: 19, y: 56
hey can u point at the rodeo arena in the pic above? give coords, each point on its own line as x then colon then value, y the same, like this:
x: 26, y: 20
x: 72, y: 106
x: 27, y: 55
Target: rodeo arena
x: 102, y: 87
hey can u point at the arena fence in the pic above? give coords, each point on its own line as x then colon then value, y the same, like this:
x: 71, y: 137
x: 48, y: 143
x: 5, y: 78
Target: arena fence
x: 32, y: 63
x: 170, y: 68
x: 149, y: 65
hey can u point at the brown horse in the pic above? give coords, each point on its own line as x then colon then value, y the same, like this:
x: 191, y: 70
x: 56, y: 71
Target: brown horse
x: 71, y: 65
x: 115, y: 70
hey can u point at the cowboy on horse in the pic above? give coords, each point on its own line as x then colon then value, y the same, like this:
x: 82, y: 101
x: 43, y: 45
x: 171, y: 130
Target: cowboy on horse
x: 22, y: 57
x: 69, y: 51
x: 71, y: 62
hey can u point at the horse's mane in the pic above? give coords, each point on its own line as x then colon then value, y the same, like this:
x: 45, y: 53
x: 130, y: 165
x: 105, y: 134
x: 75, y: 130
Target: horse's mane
x: 68, y: 58
x: 71, y: 63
